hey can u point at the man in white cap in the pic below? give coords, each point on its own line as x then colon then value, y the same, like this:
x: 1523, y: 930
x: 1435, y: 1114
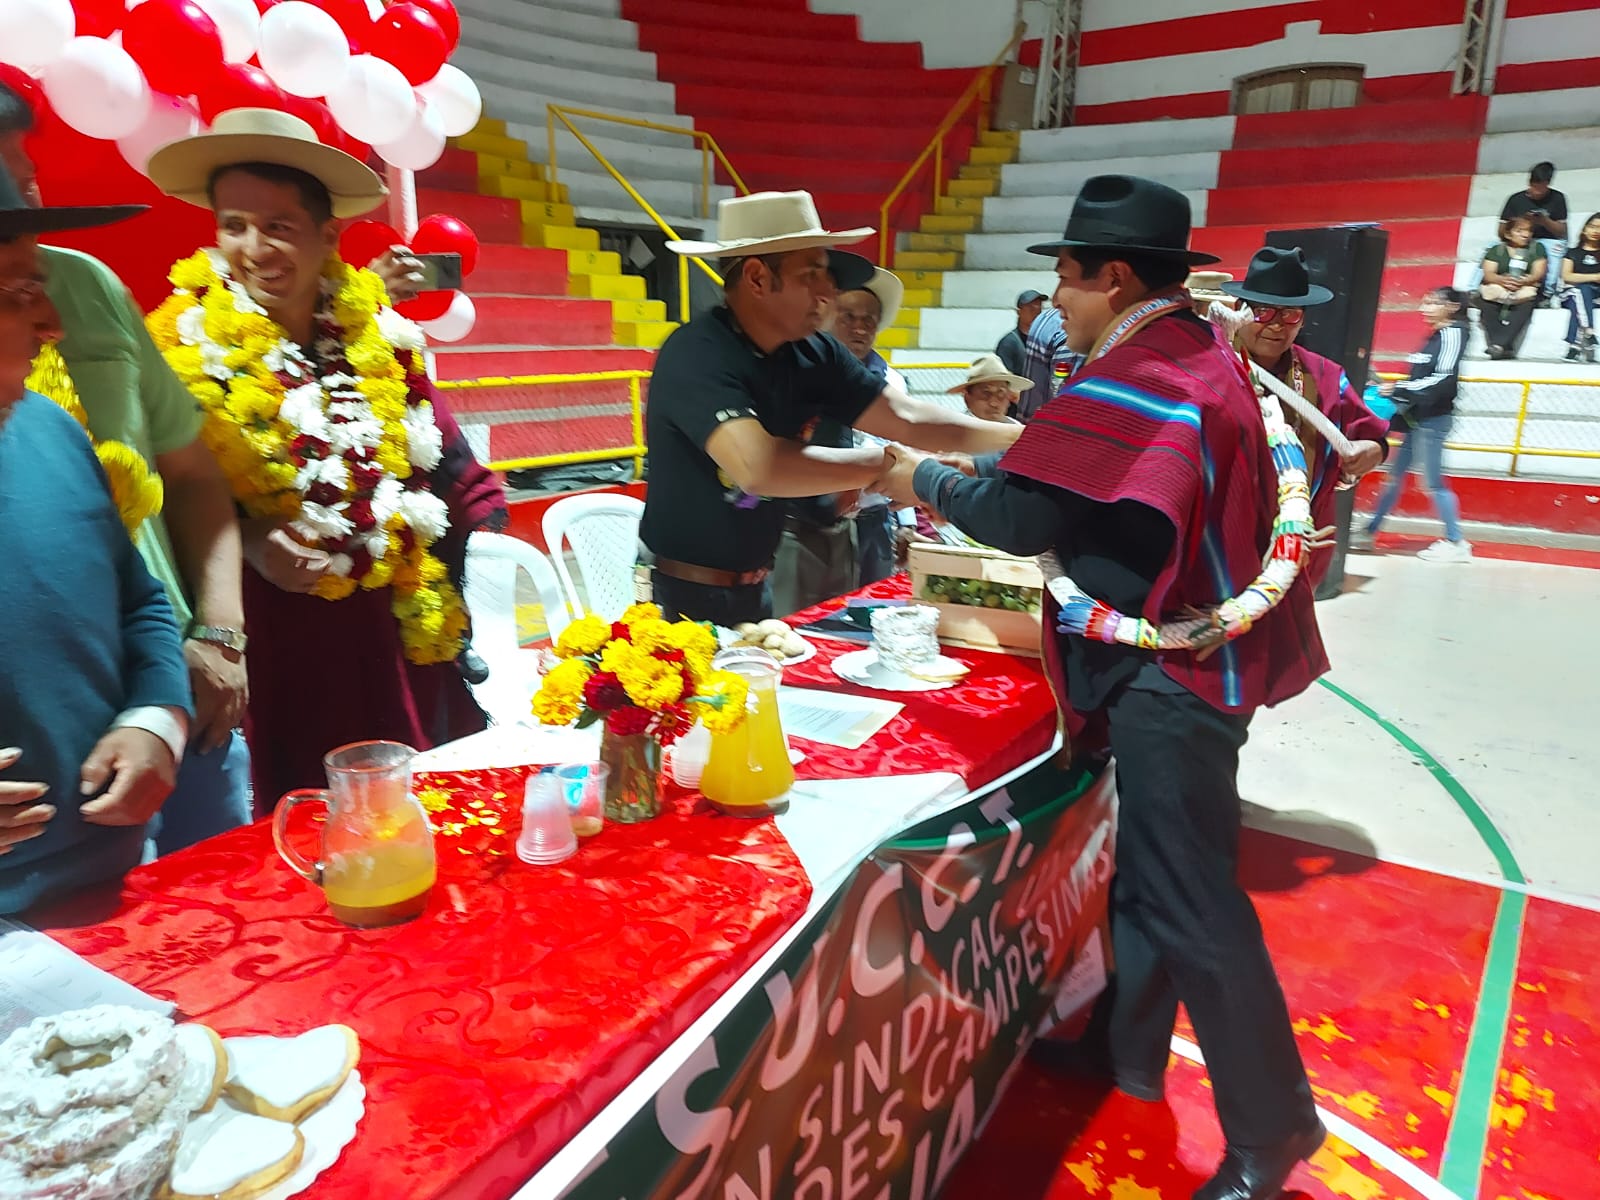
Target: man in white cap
x: 737, y: 394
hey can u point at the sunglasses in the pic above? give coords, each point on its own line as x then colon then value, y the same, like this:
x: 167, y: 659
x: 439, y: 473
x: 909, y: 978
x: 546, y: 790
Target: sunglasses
x: 1267, y: 315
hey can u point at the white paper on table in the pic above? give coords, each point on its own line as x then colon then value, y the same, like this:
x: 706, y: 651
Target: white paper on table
x: 833, y: 718
x: 40, y: 977
x: 513, y: 746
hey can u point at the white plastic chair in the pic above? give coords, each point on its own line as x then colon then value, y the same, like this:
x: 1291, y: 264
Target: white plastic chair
x: 603, y: 528
x: 493, y: 560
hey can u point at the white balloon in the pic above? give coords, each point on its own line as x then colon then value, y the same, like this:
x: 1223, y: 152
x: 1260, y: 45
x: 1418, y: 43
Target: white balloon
x: 170, y: 118
x: 420, y: 146
x: 372, y: 102
x: 97, y: 88
x: 456, y: 322
x: 302, y: 48
x: 239, y: 23
x: 35, y: 33
x: 456, y: 99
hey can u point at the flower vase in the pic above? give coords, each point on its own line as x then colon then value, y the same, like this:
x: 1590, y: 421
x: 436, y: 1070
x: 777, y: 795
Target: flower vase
x: 632, y: 783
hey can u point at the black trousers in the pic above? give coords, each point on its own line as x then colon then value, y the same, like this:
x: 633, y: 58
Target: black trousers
x: 702, y: 602
x: 1181, y: 926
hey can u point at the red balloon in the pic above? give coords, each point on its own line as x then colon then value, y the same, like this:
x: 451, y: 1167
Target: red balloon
x: 441, y: 234
x: 363, y: 241
x: 27, y: 89
x: 352, y: 17
x: 429, y: 306
x: 99, y: 18
x: 240, y: 85
x: 445, y: 13
x: 176, y: 44
x: 409, y: 36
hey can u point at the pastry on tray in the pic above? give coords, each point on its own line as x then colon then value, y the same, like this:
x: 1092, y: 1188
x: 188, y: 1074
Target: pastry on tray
x: 776, y: 637
x: 288, y: 1079
x: 231, y: 1155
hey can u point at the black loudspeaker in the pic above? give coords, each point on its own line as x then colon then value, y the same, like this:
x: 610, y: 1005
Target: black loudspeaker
x: 1349, y: 260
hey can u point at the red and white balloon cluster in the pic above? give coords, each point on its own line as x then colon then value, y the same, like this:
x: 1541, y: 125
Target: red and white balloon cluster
x: 146, y: 72
x: 446, y: 316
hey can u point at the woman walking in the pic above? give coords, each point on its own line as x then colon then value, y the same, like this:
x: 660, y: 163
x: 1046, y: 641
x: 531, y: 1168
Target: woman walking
x: 1426, y: 404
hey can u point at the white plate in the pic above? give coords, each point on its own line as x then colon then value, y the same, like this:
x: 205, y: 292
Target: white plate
x: 862, y: 668
x: 327, y: 1132
x: 727, y: 637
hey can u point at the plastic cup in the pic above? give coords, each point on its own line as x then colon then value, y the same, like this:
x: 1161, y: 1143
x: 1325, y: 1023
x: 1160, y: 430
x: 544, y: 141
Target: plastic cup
x: 583, y: 786
x: 547, y: 835
x: 689, y: 756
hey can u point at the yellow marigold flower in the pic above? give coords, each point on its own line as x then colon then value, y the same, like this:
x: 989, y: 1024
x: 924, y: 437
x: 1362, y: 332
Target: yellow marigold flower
x: 641, y: 612
x: 651, y: 636
x: 720, y: 701
x: 193, y: 273
x: 692, y: 638
x: 186, y: 362
x: 163, y: 322
x: 135, y: 488
x: 618, y: 656
x: 334, y: 587
x: 651, y: 683
x: 587, y: 635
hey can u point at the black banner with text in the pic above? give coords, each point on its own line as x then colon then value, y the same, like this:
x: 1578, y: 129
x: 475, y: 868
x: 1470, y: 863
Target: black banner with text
x: 863, y: 1064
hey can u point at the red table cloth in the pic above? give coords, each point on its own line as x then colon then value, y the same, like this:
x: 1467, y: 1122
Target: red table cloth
x: 499, y: 1022
x: 996, y: 718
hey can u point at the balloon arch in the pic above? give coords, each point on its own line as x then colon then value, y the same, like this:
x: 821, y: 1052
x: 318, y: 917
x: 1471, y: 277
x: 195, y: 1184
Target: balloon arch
x: 138, y: 74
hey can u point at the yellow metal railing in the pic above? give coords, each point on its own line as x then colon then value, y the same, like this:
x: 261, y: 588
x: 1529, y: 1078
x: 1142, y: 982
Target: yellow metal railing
x: 951, y: 373
x: 708, y: 149
x: 634, y: 449
x: 979, y: 92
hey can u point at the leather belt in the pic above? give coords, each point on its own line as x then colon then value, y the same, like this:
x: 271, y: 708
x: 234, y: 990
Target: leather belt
x: 710, y: 576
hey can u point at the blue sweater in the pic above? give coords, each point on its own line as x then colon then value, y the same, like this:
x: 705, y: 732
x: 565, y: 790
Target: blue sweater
x: 87, y: 632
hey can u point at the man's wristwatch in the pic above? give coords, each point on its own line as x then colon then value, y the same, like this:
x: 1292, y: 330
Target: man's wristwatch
x: 217, y: 635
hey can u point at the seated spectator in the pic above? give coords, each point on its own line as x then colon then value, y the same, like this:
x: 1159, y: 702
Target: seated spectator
x: 1512, y: 274
x: 94, y: 693
x: 1546, y: 208
x: 1580, y: 278
x: 1013, y: 348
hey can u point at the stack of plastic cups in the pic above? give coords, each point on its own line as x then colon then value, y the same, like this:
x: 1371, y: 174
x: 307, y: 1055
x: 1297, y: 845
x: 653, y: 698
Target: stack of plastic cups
x: 547, y: 835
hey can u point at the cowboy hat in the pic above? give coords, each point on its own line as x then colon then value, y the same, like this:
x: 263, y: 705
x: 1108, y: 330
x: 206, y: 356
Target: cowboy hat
x: 1206, y: 285
x: 18, y: 218
x: 244, y: 135
x: 769, y: 223
x: 1125, y: 212
x: 1280, y: 279
x: 849, y: 271
x: 886, y: 286
x: 989, y: 369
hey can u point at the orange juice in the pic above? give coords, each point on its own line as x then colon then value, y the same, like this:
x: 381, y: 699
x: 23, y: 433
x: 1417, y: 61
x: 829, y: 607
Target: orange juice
x: 748, y: 773
x: 381, y: 884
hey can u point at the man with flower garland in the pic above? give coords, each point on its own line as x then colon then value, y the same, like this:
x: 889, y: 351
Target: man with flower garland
x: 192, y: 545
x: 358, y: 489
x: 1151, y: 481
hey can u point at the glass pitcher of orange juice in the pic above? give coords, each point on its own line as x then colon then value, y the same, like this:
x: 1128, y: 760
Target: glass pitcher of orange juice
x: 377, y: 864
x: 748, y: 773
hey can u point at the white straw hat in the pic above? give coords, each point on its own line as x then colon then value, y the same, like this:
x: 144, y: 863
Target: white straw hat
x: 768, y: 223
x: 184, y: 168
x: 989, y: 369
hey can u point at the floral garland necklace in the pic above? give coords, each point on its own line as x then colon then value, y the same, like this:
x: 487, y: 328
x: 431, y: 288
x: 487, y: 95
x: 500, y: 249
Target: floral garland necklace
x: 338, y: 443
x: 135, y: 489
x: 1293, y: 539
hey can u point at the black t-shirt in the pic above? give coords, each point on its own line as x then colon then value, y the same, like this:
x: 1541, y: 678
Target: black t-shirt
x: 1584, y: 262
x: 708, y: 373
x: 1520, y: 204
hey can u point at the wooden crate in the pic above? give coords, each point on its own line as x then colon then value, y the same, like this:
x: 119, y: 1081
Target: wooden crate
x: 967, y: 625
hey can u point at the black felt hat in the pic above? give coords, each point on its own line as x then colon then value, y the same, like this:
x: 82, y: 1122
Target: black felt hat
x: 1279, y: 278
x: 18, y: 218
x: 1125, y: 212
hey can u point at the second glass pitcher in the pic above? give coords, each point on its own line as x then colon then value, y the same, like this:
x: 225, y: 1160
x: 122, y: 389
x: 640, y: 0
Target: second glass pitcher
x: 748, y: 773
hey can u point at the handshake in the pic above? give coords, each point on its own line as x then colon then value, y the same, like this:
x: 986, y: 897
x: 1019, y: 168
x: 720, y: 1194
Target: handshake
x: 900, y: 464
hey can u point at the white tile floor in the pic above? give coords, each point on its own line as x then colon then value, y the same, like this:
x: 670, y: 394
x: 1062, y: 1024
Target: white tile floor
x: 1494, y: 668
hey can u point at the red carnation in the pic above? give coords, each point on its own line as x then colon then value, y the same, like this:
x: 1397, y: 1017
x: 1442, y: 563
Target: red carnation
x: 620, y: 632
x: 306, y: 446
x: 408, y: 540
x: 360, y: 563
x: 360, y: 514
x: 670, y: 656
x: 628, y: 720
x: 366, y: 476
x: 604, y: 692
x: 324, y: 493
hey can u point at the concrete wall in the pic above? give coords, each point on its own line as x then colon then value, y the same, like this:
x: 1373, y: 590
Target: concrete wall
x: 953, y: 33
